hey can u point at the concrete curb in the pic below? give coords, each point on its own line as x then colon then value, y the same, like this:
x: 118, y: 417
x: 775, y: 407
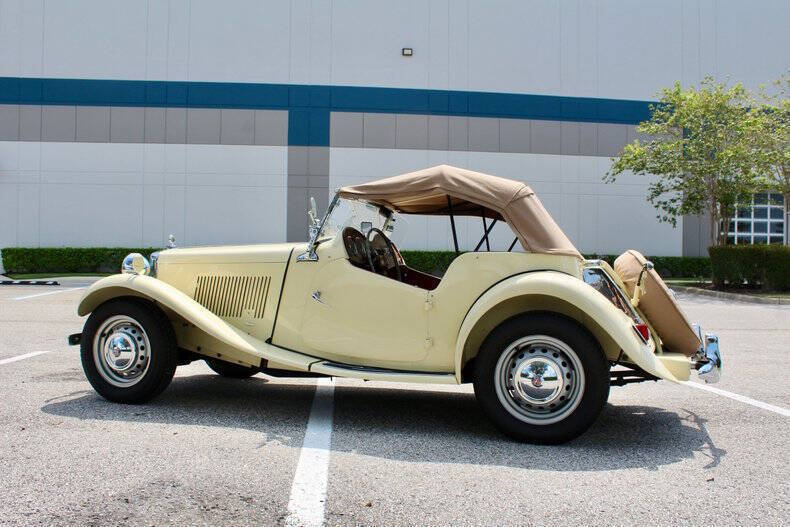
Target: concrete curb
x: 729, y: 296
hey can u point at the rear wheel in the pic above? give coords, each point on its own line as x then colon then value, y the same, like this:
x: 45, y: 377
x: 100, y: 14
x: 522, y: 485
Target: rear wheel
x: 228, y: 369
x: 128, y: 351
x: 541, y: 378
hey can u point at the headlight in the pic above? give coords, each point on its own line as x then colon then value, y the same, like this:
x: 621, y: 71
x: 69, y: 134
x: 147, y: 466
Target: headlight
x: 135, y: 263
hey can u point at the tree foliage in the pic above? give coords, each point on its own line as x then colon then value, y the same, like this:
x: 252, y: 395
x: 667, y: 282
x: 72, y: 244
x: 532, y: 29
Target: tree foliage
x: 698, y: 153
x: 773, y: 139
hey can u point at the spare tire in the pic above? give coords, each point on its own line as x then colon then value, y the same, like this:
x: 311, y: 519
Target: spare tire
x: 658, y: 304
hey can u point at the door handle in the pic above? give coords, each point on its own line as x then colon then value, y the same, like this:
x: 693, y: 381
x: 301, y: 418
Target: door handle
x: 317, y: 297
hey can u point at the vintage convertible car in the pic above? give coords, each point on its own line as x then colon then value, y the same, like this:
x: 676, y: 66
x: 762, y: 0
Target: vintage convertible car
x: 542, y: 334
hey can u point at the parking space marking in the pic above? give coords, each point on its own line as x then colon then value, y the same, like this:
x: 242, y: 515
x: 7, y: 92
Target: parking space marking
x: 47, y: 293
x: 22, y: 357
x: 742, y: 398
x: 308, y: 491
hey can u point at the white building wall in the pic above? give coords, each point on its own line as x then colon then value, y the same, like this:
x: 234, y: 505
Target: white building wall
x: 105, y: 194
x: 597, y: 217
x: 128, y: 194
x: 605, y: 48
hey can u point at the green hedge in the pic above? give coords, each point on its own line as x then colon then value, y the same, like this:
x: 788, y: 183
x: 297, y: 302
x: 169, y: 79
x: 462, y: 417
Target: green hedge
x: 436, y: 262
x: 766, y: 266
x: 670, y: 266
x: 108, y: 260
x: 67, y: 259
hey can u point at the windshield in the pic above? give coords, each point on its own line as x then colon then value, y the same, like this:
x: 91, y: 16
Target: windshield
x: 352, y: 213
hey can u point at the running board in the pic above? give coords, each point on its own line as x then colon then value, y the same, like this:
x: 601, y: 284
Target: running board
x: 381, y: 374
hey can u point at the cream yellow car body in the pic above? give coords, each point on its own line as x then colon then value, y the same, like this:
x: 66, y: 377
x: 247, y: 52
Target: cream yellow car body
x: 327, y: 316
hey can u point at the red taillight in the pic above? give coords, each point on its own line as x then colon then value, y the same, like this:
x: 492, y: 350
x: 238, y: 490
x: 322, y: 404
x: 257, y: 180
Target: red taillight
x: 643, y: 331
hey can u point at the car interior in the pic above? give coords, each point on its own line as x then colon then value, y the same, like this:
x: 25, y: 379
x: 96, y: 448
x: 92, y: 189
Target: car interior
x: 376, y: 253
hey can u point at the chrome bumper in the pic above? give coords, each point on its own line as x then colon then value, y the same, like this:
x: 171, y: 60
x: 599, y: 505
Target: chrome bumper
x: 707, y: 360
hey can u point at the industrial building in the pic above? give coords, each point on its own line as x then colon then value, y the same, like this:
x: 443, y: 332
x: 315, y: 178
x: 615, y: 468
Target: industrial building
x: 123, y: 122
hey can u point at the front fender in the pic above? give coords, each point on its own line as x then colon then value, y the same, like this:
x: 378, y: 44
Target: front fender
x: 551, y: 290
x: 229, y: 336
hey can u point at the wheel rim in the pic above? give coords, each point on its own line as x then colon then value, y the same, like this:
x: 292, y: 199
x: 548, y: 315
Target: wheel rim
x: 121, y: 351
x: 539, y: 379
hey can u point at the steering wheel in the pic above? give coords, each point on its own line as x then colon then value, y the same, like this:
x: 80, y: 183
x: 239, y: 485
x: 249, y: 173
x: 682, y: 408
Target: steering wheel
x: 390, y: 248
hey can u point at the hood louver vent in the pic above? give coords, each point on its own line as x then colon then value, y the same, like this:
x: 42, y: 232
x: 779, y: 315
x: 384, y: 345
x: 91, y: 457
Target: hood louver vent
x: 233, y: 296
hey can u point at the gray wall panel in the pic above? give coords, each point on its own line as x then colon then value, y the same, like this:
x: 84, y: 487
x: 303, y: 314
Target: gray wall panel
x: 588, y: 139
x: 127, y: 125
x: 203, y: 126
x: 378, y: 130
x: 93, y: 124
x: 176, y: 125
x: 237, y: 127
x: 29, y: 123
x: 271, y: 127
x: 696, y: 235
x: 318, y: 161
x: 546, y: 137
x: 296, y: 226
x: 345, y: 129
x: 484, y: 134
x: 570, y: 138
x: 9, y: 122
x: 438, y: 132
x: 611, y: 138
x: 411, y: 131
x: 58, y: 123
x: 155, y: 119
x: 514, y: 135
x: 308, y: 175
x: 458, y: 133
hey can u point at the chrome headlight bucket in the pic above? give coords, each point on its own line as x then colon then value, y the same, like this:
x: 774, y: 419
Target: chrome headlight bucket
x: 154, y: 263
x: 135, y: 263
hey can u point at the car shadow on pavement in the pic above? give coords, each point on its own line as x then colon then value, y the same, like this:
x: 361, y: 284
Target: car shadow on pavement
x: 408, y: 424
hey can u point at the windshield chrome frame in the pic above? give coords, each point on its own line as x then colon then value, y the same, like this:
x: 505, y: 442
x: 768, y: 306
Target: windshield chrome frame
x: 310, y: 255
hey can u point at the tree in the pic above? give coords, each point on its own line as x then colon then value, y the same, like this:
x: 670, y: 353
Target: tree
x: 773, y: 139
x: 699, y: 153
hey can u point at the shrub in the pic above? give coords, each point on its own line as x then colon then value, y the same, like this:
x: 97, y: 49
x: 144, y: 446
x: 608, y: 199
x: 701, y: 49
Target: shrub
x: 436, y: 262
x: 755, y: 265
x: 431, y: 262
x: 108, y: 259
x: 67, y: 259
x: 670, y: 266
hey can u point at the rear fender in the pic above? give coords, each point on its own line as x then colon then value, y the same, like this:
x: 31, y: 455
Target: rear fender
x: 564, y: 294
x: 214, y: 336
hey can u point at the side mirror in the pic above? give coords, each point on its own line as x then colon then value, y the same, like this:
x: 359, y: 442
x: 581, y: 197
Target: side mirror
x: 315, y: 221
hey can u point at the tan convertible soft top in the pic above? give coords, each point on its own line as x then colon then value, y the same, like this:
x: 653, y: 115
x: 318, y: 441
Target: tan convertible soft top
x: 470, y: 194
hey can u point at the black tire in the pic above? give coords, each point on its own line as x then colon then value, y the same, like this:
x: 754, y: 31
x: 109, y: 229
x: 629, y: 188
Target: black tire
x: 160, y: 357
x: 230, y: 370
x: 591, y: 394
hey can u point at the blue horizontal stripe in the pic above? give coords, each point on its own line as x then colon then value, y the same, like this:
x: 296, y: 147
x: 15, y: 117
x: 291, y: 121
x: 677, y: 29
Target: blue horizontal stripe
x: 310, y: 105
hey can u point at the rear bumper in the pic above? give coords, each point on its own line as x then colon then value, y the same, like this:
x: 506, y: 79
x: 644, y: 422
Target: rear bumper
x: 707, y: 360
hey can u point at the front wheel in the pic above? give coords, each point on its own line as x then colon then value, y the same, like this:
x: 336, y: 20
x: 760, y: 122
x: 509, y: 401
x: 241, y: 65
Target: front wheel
x: 541, y: 378
x: 128, y: 351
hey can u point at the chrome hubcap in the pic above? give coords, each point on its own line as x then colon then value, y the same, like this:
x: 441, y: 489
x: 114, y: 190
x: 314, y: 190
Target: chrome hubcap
x: 539, y: 379
x: 121, y: 351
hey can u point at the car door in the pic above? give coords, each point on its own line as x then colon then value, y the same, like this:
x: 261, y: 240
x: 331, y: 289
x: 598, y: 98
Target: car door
x: 358, y: 317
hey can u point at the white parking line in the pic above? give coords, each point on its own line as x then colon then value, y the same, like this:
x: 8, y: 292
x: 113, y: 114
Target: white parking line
x: 47, y: 293
x: 308, y: 492
x: 21, y: 357
x: 742, y: 398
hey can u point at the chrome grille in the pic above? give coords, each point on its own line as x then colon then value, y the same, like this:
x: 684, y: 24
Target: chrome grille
x: 231, y: 296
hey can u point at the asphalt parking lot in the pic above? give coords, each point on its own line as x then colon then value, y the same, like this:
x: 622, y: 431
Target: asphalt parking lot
x: 213, y: 451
